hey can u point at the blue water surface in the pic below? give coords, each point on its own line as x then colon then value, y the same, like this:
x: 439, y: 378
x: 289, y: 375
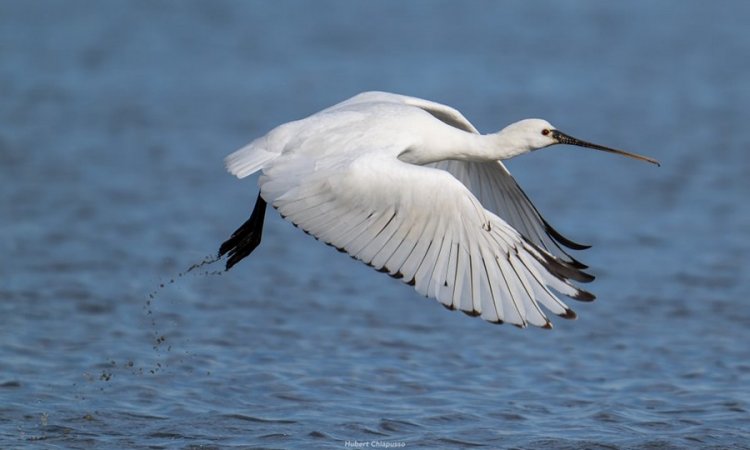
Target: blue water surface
x: 114, y: 120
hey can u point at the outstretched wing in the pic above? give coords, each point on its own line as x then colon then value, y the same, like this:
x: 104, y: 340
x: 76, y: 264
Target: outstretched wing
x: 497, y: 191
x: 422, y: 225
x: 490, y: 182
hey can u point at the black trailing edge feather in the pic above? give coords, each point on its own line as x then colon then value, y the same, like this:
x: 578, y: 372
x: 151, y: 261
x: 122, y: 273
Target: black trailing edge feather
x: 569, y: 314
x: 560, y: 268
x: 562, y: 239
x: 556, y: 236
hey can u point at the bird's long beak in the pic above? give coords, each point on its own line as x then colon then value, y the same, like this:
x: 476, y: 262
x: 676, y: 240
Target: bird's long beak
x: 563, y: 138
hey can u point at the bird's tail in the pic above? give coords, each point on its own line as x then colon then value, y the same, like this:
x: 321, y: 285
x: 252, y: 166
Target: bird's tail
x: 249, y: 159
x: 247, y: 237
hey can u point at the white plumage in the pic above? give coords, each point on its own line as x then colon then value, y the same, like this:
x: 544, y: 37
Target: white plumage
x: 411, y: 188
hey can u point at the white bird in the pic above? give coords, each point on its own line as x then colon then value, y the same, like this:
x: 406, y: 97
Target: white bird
x: 410, y: 187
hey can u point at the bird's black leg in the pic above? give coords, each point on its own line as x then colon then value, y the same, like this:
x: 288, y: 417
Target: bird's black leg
x: 244, y: 240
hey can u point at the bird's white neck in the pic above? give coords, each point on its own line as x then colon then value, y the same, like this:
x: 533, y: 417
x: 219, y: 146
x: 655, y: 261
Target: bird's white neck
x: 455, y: 144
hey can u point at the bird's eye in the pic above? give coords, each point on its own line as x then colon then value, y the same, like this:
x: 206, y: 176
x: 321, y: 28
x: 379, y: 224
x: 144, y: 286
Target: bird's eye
x: 545, y: 131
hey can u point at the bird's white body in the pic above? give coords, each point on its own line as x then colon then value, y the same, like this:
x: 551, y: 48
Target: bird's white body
x: 411, y: 188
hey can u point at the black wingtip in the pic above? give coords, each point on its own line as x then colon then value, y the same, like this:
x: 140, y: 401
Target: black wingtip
x: 569, y: 314
x: 586, y: 277
x: 564, y: 269
x: 584, y: 296
x: 562, y: 239
x: 577, y: 264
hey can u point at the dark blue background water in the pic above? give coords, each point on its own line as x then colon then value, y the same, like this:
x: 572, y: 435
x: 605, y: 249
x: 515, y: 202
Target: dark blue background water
x: 115, y: 117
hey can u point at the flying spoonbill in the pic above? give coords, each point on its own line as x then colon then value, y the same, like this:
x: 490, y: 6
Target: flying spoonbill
x: 411, y: 188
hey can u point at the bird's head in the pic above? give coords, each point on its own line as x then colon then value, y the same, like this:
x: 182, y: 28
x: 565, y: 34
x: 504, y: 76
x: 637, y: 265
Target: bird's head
x: 533, y: 134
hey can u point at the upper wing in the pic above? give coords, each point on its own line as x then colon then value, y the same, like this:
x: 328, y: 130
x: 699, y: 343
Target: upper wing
x: 444, y: 113
x: 497, y: 190
x: 423, y: 225
x: 490, y: 182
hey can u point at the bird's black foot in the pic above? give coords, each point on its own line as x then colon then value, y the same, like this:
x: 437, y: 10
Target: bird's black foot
x: 247, y: 237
